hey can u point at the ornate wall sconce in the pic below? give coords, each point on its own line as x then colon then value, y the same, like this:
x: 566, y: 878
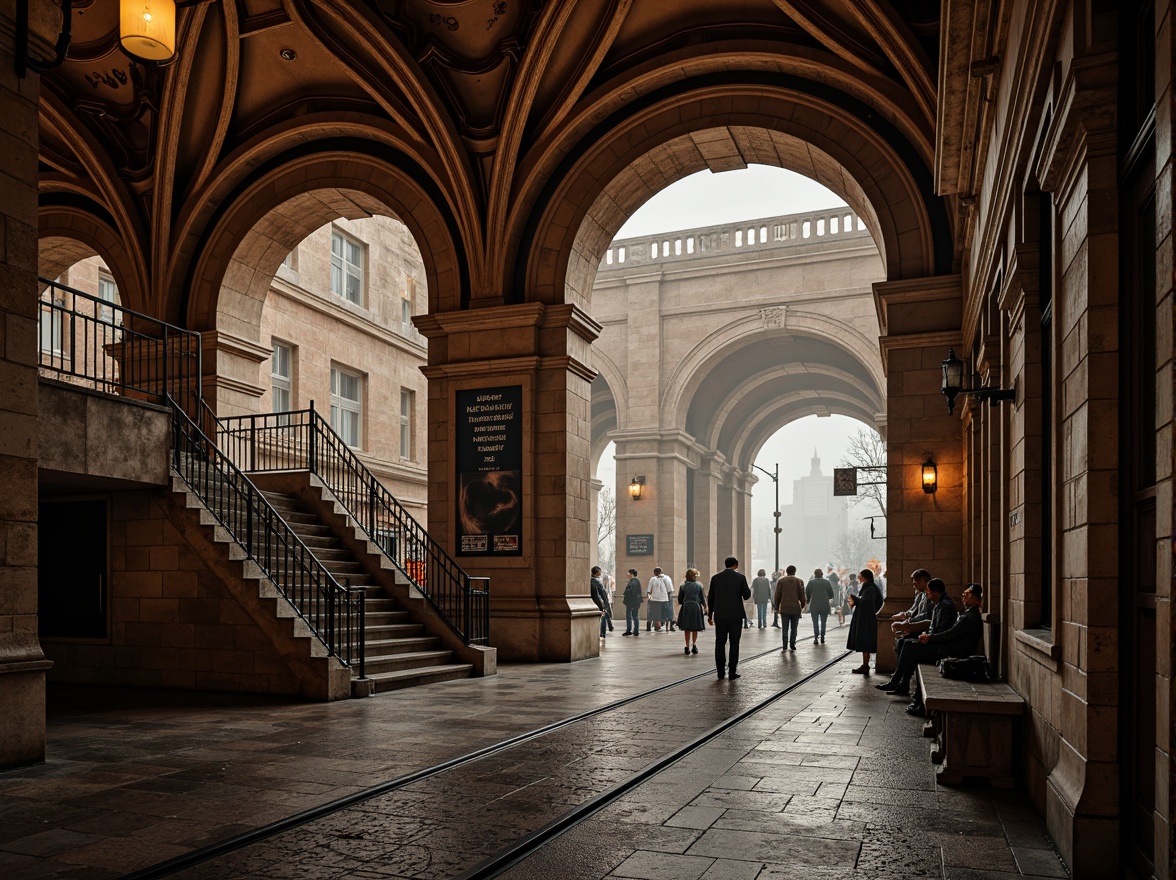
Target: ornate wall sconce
x: 636, y: 486
x: 930, y: 476
x: 953, y: 385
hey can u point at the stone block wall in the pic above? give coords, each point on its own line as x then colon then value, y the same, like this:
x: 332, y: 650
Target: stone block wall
x: 22, y: 664
x: 174, y: 623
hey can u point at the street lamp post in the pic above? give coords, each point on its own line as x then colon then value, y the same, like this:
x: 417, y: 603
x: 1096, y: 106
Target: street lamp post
x: 776, y: 480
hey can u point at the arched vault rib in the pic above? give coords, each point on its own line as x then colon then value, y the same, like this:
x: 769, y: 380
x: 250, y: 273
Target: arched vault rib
x: 747, y: 446
x: 581, y: 216
x: 818, y: 383
x: 747, y: 337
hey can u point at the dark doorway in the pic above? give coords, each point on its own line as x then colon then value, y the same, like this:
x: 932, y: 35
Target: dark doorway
x: 72, y: 583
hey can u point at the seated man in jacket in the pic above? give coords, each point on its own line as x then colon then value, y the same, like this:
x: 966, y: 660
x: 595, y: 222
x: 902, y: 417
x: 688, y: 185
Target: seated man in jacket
x: 916, y: 618
x: 939, y: 616
x: 957, y: 640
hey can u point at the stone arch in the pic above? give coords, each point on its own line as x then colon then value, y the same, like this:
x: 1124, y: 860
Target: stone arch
x: 750, y: 330
x: 853, y: 151
x: 754, y: 435
x: 287, y: 200
x: 605, y: 414
x: 69, y: 233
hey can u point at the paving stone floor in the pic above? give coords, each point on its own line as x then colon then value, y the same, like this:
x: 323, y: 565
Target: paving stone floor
x: 833, y: 778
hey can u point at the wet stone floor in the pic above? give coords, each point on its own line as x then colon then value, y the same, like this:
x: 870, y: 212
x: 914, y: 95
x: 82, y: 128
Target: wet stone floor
x: 832, y: 780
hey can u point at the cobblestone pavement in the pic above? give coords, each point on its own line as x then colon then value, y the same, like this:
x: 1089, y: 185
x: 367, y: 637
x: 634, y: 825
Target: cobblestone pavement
x: 833, y: 775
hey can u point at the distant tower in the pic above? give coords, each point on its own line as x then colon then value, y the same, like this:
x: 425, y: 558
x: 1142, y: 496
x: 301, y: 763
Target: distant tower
x: 815, y: 471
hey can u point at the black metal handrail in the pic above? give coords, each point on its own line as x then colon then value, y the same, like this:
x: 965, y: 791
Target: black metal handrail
x: 98, y: 344
x: 304, y: 440
x: 333, y: 612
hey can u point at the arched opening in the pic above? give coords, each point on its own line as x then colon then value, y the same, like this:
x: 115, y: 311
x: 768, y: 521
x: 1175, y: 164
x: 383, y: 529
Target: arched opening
x: 722, y: 332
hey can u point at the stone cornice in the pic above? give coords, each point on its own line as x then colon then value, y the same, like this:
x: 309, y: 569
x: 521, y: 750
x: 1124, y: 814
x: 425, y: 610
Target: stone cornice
x: 499, y: 319
x: 361, y: 323
x: 891, y: 296
x: 219, y: 340
x: 501, y: 366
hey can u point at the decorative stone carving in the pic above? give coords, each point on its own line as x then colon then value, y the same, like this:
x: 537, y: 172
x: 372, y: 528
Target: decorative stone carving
x: 774, y: 317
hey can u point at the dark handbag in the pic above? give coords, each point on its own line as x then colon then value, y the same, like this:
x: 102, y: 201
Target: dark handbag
x: 973, y: 668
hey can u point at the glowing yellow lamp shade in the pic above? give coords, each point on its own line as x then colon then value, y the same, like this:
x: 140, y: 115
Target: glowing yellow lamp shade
x: 147, y: 29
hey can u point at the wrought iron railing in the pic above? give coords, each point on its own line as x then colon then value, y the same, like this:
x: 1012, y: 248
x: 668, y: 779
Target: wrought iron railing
x: 95, y: 343
x: 304, y: 440
x: 333, y: 612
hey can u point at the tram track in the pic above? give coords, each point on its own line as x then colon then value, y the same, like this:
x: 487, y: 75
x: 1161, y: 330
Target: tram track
x: 524, y: 846
x: 527, y: 846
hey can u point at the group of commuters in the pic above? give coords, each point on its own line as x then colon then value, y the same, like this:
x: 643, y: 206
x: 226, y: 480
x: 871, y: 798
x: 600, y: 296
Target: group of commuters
x: 698, y: 607
x: 930, y: 630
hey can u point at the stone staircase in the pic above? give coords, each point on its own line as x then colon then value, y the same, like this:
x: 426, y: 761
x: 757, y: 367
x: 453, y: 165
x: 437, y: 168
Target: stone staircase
x: 400, y: 653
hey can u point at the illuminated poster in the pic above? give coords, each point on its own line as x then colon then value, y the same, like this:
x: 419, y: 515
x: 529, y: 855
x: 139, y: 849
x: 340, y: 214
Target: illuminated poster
x: 489, y: 438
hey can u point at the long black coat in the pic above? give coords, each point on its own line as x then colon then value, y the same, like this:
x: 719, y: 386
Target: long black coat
x: 863, y: 629
x: 728, y: 590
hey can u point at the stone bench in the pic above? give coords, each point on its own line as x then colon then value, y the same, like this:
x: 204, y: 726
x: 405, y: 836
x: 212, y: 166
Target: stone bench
x: 973, y: 725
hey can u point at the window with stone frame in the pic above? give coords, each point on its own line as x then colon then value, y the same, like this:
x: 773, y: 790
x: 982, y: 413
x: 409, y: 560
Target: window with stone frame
x: 282, y: 378
x: 50, y: 320
x: 347, y: 262
x: 108, y: 293
x: 347, y: 405
x: 407, y: 400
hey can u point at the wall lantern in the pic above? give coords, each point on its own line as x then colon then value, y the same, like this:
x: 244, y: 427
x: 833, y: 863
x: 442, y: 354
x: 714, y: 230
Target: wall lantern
x: 636, y: 486
x: 930, y: 476
x: 147, y: 29
x: 953, y: 385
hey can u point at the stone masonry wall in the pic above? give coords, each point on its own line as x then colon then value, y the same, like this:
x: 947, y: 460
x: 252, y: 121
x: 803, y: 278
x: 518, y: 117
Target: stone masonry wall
x: 173, y: 623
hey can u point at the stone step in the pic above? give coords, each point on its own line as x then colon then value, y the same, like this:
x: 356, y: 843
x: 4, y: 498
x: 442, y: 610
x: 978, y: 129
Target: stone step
x: 384, y: 647
x: 377, y: 632
x: 393, y: 631
x: 391, y: 681
x: 385, y: 618
x: 407, y: 660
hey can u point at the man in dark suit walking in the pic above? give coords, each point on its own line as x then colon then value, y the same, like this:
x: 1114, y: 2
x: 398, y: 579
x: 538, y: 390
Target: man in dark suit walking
x: 724, y: 603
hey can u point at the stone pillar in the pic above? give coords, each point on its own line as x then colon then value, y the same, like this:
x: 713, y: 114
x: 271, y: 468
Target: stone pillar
x: 725, y: 519
x: 920, y: 320
x: 663, y: 461
x: 232, y: 377
x: 22, y: 664
x: 706, y: 500
x: 594, y: 487
x: 540, y: 607
x: 742, y: 497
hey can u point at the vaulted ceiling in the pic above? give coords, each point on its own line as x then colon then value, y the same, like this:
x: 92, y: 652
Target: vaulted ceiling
x: 478, y: 105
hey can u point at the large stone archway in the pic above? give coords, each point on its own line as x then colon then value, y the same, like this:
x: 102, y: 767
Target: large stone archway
x: 719, y: 336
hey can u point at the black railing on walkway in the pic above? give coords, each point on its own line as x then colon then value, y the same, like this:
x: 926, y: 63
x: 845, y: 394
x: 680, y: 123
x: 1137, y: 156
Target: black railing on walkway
x: 304, y: 440
x: 334, y: 613
x: 94, y: 343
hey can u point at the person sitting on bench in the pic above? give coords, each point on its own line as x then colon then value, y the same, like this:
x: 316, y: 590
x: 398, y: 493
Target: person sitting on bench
x: 940, y: 614
x: 957, y: 641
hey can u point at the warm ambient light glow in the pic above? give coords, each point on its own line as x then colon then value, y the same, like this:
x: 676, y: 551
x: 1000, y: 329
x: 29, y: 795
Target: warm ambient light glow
x: 635, y: 488
x: 147, y: 29
x: 930, y: 476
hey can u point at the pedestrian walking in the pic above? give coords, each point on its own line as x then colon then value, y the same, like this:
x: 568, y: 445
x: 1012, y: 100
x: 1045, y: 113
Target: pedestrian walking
x: 657, y: 595
x: 596, y: 587
x: 761, y: 595
x: 725, y: 612
x: 789, y: 600
x: 632, y: 600
x: 819, y: 593
x: 693, y: 607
